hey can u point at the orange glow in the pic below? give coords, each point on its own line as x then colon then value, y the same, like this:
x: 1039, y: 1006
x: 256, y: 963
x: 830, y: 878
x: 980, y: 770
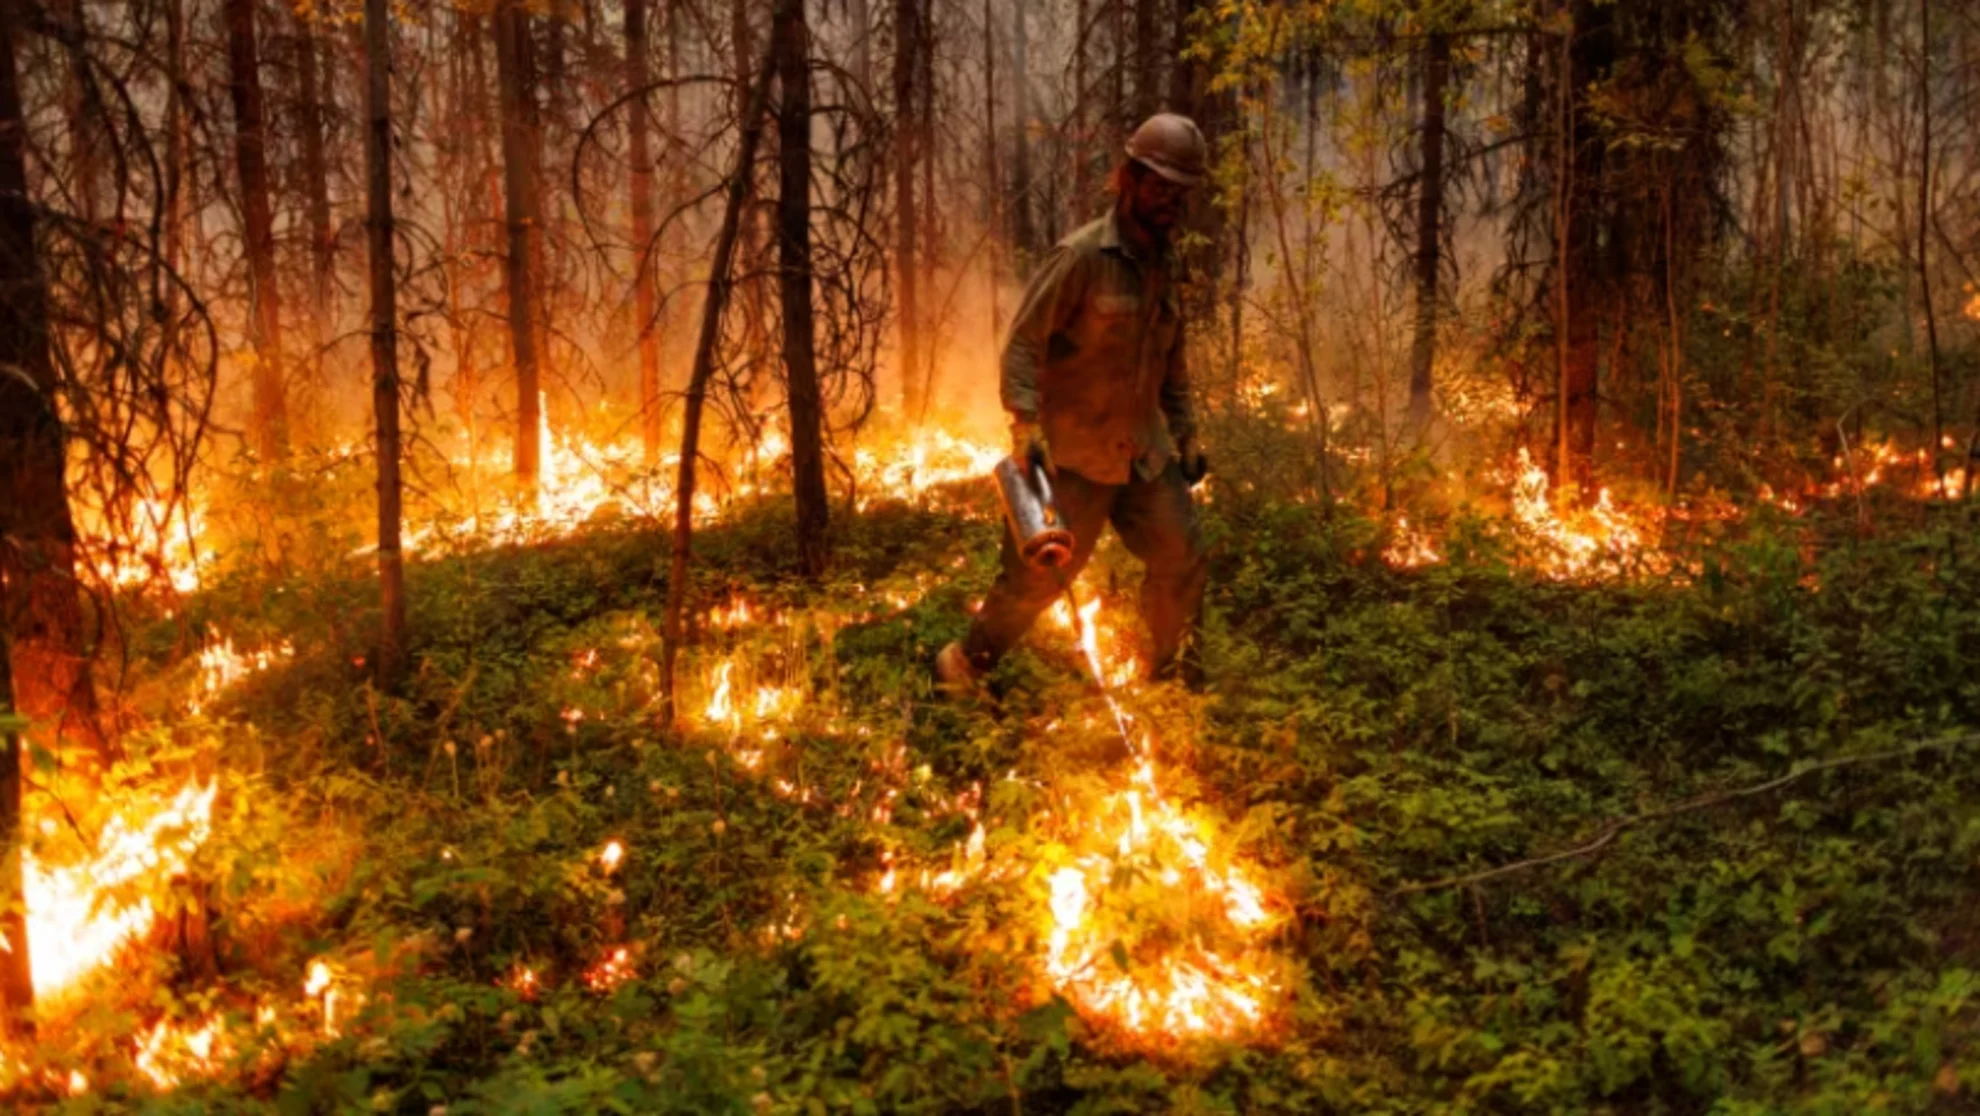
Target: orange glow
x: 614, y: 969
x: 221, y: 666
x: 168, y: 1055
x: 720, y: 709
x: 1202, y: 972
x: 1410, y: 546
x: 613, y: 853
x: 74, y: 923
x: 1212, y: 981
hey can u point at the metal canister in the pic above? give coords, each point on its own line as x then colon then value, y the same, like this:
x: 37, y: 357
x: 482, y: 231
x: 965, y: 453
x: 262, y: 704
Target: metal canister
x: 1042, y: 537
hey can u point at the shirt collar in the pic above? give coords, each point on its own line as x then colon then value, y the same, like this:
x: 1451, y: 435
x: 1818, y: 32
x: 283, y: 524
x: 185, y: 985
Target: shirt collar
x: 1112, y: 240
x: 1110, y: 234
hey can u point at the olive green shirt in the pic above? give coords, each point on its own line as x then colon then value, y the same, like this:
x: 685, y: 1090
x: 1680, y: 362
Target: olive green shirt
x: 1096, y: 356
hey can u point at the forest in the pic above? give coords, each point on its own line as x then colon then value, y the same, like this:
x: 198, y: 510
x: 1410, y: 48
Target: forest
x: 485, y: 486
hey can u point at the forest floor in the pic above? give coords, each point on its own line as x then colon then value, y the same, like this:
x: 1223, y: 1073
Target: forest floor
x: 507, y: 890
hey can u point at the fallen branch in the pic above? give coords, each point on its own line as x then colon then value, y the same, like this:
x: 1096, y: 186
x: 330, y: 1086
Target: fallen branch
x: 1609, y: 832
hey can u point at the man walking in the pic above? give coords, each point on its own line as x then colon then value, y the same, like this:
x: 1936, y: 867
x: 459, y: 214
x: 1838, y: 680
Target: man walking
x: 1094, y: 379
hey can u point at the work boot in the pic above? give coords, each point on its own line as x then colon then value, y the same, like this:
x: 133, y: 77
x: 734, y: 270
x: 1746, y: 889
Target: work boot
x: 955, y: 676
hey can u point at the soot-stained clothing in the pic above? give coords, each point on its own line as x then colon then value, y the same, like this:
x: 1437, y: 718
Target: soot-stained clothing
x: 1095, y: 355
x: 1156, y: 518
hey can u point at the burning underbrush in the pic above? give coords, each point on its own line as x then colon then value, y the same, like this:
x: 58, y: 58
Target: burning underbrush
x: 823, y: 885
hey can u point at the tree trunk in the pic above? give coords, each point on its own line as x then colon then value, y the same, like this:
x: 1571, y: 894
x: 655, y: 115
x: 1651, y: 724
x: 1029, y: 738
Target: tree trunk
x: 271, y: 418
x: 1117, y: 75
x: 40, y: 602
x: 1022, y: 230
x: 1147, y: 62
x: 907, y: 37
x: 861, y: 12
x: 88, y: 138
x: 384, y: 335
x: 719, y: 283
x: 790, y: 39
x: 522, y: 210
x: 30, y: 443
x: 1429, y: 229
x: 1585, y: 295
x: 316, y: 178
x: 931, y: 236
x: 1924, y: 229
x: 640, y: 124
x: 992, y: 174
x: 16, y: 965
x: 1081, y: 131
x: 178, y: 145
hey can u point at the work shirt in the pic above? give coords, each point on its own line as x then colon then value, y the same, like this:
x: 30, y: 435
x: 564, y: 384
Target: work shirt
x: 1096, y: 356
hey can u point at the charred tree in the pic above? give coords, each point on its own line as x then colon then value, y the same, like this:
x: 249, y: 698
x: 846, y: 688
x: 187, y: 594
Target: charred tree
x: 719, y: 285
x: 907, y: 39
x: 930, y: 240
x: 522, y: 209
x: 16, y: 963
x: 791, y: 38
x: 270, y: 428
x: 639, y: 142
x: 40, y: 599
x: 30, y: 441
x: 384, y: 335
x: 1429, y: 227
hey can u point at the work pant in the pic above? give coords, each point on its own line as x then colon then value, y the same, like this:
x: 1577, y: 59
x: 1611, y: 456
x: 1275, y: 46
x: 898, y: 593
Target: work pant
x: 1157, y: 521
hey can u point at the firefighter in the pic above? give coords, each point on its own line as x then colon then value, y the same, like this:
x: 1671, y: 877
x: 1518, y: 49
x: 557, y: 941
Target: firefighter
x: 1094, y: 380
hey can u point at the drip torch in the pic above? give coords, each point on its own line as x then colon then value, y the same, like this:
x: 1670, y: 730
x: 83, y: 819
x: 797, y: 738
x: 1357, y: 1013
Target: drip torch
x: 1024, y: 486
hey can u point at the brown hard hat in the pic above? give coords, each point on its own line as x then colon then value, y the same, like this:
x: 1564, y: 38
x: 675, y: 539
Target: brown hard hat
x: 1171, y: 146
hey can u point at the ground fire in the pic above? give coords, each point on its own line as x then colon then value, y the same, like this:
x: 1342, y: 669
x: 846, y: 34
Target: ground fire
x: 792, y: 557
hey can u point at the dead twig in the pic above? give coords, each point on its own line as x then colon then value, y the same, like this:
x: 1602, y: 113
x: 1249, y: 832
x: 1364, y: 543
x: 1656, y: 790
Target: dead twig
x: 1613, y: 829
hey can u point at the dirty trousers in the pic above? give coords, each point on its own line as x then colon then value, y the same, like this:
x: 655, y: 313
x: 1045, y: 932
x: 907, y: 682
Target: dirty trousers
x: 1157, y: 521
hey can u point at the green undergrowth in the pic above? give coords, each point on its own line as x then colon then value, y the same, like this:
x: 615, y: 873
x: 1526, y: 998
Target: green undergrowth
x: 1812, y: 949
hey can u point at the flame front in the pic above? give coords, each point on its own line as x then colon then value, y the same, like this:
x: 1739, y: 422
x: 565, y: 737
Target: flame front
x: 73, y: 925
x: 1208, y: 976
x: 1115, y: 944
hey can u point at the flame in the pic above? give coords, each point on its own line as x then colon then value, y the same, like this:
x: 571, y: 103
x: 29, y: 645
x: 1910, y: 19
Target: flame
x: 613, y: 853
x: 1410, y: 547
x: 168, y: 1054
x: 614, y: 969
x: 720, y: 709
x: 221, y: 667
x: 73, y: 924
x: 154, y: 542
x: 1207, y: 978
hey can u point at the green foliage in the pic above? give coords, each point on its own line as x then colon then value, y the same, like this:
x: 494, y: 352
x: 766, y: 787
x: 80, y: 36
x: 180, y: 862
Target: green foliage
x: 1806, y: 951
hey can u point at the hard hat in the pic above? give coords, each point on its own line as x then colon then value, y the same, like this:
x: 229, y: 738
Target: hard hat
x: 1171, y: 146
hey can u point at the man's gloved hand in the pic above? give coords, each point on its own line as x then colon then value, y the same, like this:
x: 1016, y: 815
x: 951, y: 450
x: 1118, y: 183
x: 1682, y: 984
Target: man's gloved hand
x: 1191, y: 461
x: 1028, y: 442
